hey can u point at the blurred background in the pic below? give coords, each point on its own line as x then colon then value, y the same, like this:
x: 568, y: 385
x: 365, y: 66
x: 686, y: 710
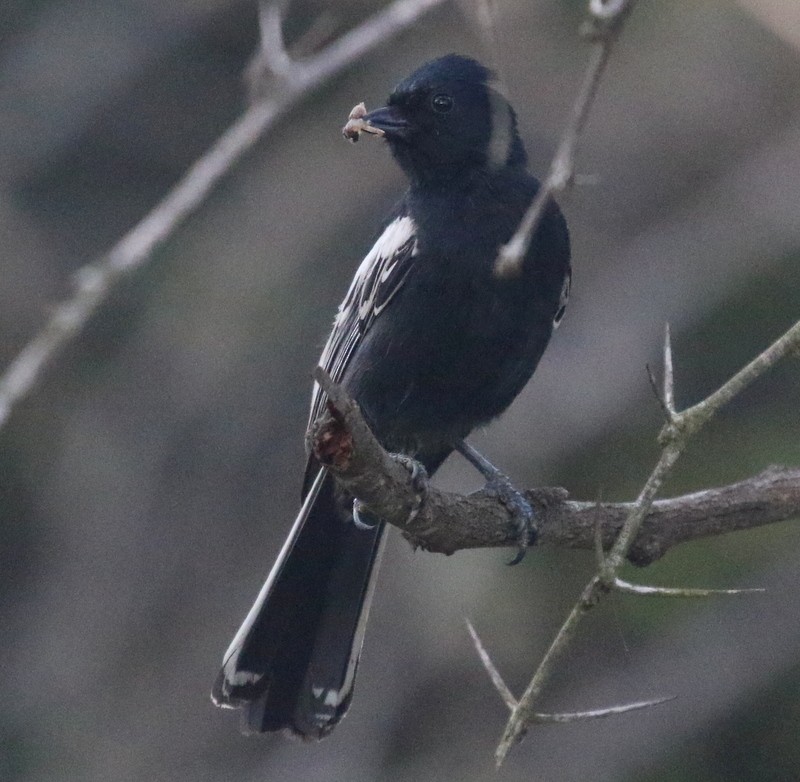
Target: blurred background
x: 147, y: 484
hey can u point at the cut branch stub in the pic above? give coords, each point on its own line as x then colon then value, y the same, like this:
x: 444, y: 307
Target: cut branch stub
x: 332, y: 442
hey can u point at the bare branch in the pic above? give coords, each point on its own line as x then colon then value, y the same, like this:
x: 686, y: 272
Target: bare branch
x: 669, y: 374
x: 640, y: 532
x: 639, y: 511
x: 771, y: 496
x: 603, y: 28
x: 695, y: 417
x: 555, y: 717
x: 485, y: 19
x: 445, y: 522
x: 523, y: 714
x: 95, y: 280
x: 674, y: 438
x: 272, y: 52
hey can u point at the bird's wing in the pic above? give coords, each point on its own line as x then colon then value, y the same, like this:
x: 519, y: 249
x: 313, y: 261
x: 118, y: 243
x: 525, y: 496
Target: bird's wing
x: 563, y: 299
x: 378, y: 278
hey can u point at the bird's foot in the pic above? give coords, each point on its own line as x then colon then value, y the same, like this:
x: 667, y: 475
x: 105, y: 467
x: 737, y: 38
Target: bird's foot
x: 363, y: 518
x: 521, y: 512
x: 499, y: 485
x: 419, y: 480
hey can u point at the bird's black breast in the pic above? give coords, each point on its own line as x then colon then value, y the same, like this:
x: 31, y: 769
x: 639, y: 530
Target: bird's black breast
x: 457, y: 344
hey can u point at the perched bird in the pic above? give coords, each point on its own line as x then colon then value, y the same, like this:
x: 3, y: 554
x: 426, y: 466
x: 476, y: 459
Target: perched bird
x: 431, y: 343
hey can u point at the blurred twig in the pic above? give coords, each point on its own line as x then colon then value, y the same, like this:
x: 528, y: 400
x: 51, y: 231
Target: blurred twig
x: 273, y: 48
x: 602, y: 28
x: 94, y: 281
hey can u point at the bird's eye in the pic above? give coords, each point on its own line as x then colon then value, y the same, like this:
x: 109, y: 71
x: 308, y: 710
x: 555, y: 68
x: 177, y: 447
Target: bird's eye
x: 441, y: 103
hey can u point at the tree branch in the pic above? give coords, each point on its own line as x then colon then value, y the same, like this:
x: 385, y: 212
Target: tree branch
x: 640, y: 532
x: 602, y: 28
x: 446, y: 522
x: 94, y: 281
x: 674, y: 437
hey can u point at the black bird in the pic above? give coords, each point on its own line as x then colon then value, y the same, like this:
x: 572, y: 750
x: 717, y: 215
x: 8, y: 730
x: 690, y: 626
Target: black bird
x: 431, y: 343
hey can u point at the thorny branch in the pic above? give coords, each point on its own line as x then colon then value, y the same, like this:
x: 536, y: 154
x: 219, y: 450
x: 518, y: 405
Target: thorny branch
x: 511, y: 702
x: 639, y: 532
x: 94, y: 282
x: 602, y: 29
x: 445, y: 522
x: 675, y: 436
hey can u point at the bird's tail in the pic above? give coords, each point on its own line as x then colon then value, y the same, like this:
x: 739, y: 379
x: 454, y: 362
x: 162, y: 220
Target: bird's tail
x: 293, y: 662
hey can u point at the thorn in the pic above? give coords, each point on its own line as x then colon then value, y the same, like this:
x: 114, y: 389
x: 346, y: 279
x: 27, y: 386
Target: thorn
x: 600, y: 555
x: 494, y: 674
x: 669, y: 378
x: 640, y: 589
x: 574, y: 716
x: 657, y: 393
x: 596, y: 714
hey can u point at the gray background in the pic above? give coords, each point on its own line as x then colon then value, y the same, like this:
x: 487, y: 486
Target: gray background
x: 147, y: 484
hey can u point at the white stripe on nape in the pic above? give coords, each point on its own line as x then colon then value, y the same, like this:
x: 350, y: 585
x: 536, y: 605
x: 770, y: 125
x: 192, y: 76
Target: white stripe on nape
x: 501, y: 131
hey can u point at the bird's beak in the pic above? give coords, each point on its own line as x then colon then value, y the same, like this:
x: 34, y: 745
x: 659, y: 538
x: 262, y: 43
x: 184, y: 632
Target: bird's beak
x: 389, y: 120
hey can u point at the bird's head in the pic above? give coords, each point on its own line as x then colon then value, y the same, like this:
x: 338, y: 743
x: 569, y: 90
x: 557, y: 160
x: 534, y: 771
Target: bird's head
x: 448, y: 119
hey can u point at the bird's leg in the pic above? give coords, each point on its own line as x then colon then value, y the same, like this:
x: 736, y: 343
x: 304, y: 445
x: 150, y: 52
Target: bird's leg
x: 499, y: 485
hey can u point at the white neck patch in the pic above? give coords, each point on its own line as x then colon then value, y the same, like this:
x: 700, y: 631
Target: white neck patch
x: 501, y: 128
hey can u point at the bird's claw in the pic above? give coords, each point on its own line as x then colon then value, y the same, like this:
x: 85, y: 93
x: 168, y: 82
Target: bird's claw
x: 521, y: 513
x: 419, y: 475
x: 363, y: 518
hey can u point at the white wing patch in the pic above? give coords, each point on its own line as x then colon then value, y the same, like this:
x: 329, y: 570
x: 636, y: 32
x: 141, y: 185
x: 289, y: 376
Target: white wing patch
x: 376, y: 281
x: 368, y: 286
x: 562, y: 300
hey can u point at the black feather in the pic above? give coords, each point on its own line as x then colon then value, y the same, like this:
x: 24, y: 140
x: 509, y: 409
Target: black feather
x: 431, y: 344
